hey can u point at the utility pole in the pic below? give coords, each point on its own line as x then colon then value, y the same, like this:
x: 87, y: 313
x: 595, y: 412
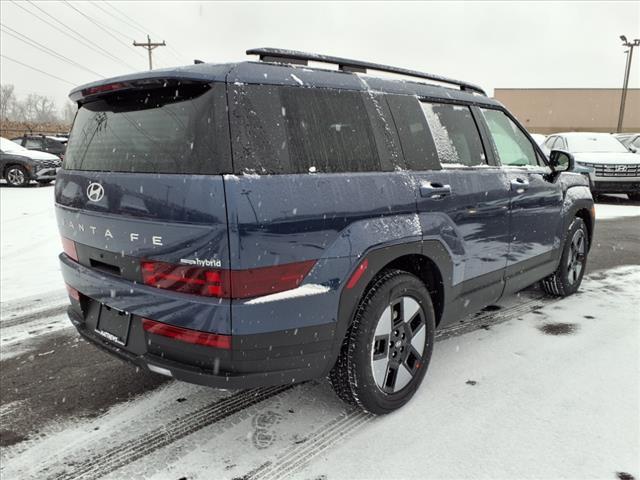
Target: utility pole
x: 627, y: 71
x: 149, y: 46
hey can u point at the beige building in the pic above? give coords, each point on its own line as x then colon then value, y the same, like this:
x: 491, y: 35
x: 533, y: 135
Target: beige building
x: 551, y: 110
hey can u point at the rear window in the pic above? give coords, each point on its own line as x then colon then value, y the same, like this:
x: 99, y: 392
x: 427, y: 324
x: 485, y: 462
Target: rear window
x: 279, y: 129
x: 176, y: 129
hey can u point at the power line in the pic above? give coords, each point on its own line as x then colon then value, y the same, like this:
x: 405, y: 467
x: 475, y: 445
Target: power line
x: 37, y: 70
x: 97, y: 24
x: 94, y: 47
x: 23, y: 38
x: 132, y: 21
x: 117, y: 19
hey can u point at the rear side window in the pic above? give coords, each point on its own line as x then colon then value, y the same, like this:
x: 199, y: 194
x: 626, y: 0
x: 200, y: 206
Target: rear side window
x: 417, y: 143
x: 176, y: 129
x: 455, y: 134
x: 279, y: 129
x: 511, y: 145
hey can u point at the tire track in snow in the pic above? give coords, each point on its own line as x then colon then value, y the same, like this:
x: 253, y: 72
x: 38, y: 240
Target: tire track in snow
x: 296, y: 457
x: 116, y: 457
x: 32, y: 317
x: 495, y: 317
x: 34, y: 306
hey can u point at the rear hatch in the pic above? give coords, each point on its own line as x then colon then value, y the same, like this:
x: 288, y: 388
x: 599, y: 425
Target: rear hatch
x: 141, y: 192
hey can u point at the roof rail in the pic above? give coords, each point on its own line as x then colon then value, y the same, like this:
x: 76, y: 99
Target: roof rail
x: 347, y: 65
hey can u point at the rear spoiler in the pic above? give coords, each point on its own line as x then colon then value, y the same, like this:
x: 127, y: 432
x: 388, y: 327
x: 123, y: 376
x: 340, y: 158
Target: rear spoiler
x: 89, y: 92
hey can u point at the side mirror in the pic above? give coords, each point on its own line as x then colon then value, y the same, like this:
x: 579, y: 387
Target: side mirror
x: 561, y: 161
x: 633, y: 149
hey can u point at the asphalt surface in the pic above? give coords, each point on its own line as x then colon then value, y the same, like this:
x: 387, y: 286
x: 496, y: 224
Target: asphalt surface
x: 63, y: 377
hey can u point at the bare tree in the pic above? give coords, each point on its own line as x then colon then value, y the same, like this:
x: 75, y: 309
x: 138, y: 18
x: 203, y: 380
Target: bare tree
x: 7, y: 100
x: 39, y: 109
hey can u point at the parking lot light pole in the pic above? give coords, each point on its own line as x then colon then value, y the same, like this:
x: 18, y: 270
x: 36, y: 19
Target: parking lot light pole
x: 627, y: 71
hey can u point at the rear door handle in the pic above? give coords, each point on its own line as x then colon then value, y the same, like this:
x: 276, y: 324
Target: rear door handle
x: 434, y: 190
x: 519, y: 184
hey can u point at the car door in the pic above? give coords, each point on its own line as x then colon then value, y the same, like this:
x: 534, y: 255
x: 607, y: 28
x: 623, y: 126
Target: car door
x: 462, y: 199
x: 536, y: 201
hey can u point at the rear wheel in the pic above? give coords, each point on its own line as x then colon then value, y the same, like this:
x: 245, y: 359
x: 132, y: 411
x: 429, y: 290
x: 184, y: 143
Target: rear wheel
x: 567, y: 278
x: 389, y: 344
x: 16, y: 176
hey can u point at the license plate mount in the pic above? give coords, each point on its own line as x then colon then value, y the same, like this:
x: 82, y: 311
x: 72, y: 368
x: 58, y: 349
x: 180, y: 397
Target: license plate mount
x: 113, y: 324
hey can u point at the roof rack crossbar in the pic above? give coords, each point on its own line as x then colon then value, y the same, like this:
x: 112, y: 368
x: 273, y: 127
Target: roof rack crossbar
x: 347, y: 65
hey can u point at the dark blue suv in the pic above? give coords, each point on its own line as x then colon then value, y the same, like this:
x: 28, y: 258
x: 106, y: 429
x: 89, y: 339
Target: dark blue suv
x: 265, y: 222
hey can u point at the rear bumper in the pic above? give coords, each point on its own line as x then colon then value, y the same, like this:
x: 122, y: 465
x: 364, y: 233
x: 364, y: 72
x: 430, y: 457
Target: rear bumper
x: 257, y: 359
x: 301, y: 367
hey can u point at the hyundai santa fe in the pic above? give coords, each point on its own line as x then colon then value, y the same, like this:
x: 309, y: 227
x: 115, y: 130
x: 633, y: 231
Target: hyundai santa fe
x: 265, y: 222
x: 612, y: 167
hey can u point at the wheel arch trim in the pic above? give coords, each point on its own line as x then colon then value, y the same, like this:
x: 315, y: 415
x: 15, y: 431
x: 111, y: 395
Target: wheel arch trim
x: 378, y: 259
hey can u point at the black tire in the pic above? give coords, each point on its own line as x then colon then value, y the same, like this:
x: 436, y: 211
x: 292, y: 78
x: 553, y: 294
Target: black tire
x: 566, y: 279
x: 634, y: 196
x: 16, y: 176
x: 42, y: 183
x: 398, y: 358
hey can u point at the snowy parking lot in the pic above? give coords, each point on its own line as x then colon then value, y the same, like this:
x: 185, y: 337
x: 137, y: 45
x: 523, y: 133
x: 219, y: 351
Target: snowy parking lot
x: 534, y: 387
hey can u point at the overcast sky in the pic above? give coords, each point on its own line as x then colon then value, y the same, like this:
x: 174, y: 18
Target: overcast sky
x: 493, y: 44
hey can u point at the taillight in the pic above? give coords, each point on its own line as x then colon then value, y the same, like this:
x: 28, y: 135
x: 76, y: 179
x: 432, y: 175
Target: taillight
x: 186, y: 334
x: 249, y: 283
x: 73, y: 293
x: 256, y: 282
x: 185, y: 279
x: 69, y: 247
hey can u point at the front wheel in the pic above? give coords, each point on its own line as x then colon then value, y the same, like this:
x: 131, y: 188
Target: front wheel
x: 566, y: 279
x: 17, y: 176
x: 389, y: 344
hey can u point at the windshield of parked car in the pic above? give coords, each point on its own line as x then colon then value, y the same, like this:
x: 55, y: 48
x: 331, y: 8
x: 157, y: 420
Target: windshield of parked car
x: 595, y: 144
x: 7, y: 145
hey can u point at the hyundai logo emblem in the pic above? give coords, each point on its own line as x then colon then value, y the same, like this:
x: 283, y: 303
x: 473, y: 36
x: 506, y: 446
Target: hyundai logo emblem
x: 621, y: 168
x: 95, y: 192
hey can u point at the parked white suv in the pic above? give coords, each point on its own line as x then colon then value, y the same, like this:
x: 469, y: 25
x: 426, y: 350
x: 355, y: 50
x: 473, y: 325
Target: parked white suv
x: 615, y: 169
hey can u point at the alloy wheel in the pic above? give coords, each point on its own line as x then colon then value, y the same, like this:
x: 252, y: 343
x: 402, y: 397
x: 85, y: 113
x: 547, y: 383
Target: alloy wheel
x: 15, y: 176
x: 398, y: 344
x: 575, y: 262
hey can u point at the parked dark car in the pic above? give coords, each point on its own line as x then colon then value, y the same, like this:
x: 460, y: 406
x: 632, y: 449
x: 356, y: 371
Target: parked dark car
x: 43, y: 143
x: 259, y: 223
x: 20, y: 166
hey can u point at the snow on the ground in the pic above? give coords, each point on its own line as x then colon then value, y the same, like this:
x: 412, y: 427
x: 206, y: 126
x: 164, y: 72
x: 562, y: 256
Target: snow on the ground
x: 510, y: 401
x: 606, y: 211
x: 29, y: 243
x: 543, y: 406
